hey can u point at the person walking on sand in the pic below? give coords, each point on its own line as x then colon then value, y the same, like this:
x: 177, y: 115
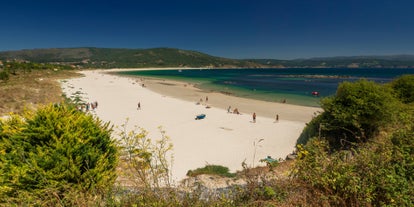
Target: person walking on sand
x: 139, y: 106
x: 254, y: 117
x: 229, y: 109
x: 277, y: 118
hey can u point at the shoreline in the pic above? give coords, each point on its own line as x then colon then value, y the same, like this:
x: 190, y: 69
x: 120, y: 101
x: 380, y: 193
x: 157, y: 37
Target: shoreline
x: 221, y: 138
x: 189, y: 92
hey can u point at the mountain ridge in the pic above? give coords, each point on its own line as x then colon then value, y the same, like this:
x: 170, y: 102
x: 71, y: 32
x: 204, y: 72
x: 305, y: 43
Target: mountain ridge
x: 93, y: 57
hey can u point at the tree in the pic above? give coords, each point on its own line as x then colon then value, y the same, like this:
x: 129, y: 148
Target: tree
x: 56, y: 149
x: 353, y: 115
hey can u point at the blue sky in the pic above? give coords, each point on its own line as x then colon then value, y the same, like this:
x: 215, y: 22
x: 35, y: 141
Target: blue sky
x: 228, y: 28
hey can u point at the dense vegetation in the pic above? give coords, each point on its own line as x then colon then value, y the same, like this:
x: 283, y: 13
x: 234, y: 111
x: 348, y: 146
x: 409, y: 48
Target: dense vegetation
x: 358, y: 152
x: 57, y: 151
x: 355, y: 113
x: 171, y: 57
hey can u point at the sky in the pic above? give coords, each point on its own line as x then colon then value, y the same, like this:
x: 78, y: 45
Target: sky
x: 286, y: 29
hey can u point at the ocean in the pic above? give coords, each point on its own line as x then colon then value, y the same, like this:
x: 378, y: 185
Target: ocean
x: 291, y: 85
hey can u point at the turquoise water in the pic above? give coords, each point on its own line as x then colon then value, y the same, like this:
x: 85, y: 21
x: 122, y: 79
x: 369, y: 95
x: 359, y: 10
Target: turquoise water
x: 294, y: 85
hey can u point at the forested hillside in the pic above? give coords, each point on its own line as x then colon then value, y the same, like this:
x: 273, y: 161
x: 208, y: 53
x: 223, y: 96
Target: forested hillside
x: 124, y: 58
x: 89, y: 57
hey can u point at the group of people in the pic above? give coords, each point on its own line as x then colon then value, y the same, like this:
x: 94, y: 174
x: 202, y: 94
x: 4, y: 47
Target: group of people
x: 88, y: 106
x: 254, y: 117
x: 201, y: 99
x: 236, y: 111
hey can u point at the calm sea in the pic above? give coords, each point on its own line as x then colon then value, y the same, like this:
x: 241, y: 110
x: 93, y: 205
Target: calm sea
x: 294, y: 85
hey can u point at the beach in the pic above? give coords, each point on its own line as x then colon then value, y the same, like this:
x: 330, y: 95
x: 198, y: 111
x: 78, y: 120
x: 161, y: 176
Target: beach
x: 221, y: 138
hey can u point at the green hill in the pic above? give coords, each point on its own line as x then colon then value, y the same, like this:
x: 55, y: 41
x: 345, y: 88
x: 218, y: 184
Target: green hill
x: 89, y: 57
x: 124, y: 58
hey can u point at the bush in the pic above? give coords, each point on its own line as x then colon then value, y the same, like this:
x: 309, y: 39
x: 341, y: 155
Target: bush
x: 4, y: 75
x: 145, y: 161
x: 211, y: 170
x: 404, y: 88
x: 53, y: 152
x: 357, y: 112
x: 378, y: 169
x: 380, y: 173
x: 312, y: 129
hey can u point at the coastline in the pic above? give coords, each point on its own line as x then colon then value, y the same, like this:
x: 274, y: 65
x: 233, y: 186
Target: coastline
x: 189, y: 92
x: 221, y: 138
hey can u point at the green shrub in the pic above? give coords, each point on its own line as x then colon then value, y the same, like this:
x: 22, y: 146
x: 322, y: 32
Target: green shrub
x: 312, y: 129
x: 53, y: 152
x: 404, y: 88
x: 378, y: 169
x: 4, y: 75
x: 211, y: 170
x: 355, y: 114
x: 378, y: 173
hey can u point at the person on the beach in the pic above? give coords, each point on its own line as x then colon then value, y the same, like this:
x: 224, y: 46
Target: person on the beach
x: 277, y: 118
x: 139, y: 106
x: 236, y: 111
x: 206, y: 98
x: 229, y: 109
x: 254, y: 117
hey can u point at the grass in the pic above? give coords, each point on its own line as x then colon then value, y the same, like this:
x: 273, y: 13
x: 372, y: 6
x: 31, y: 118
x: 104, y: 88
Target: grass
x: 29, y: 89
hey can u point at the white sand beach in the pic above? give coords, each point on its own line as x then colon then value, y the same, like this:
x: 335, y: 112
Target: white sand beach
x: 221, y: 138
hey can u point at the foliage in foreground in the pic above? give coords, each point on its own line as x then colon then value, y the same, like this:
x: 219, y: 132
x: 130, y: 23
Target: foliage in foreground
x: 378, y: 173
x: 404, y: 88
x: 146, y: 162
x: 53, y: 153
x: 367, y: 159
